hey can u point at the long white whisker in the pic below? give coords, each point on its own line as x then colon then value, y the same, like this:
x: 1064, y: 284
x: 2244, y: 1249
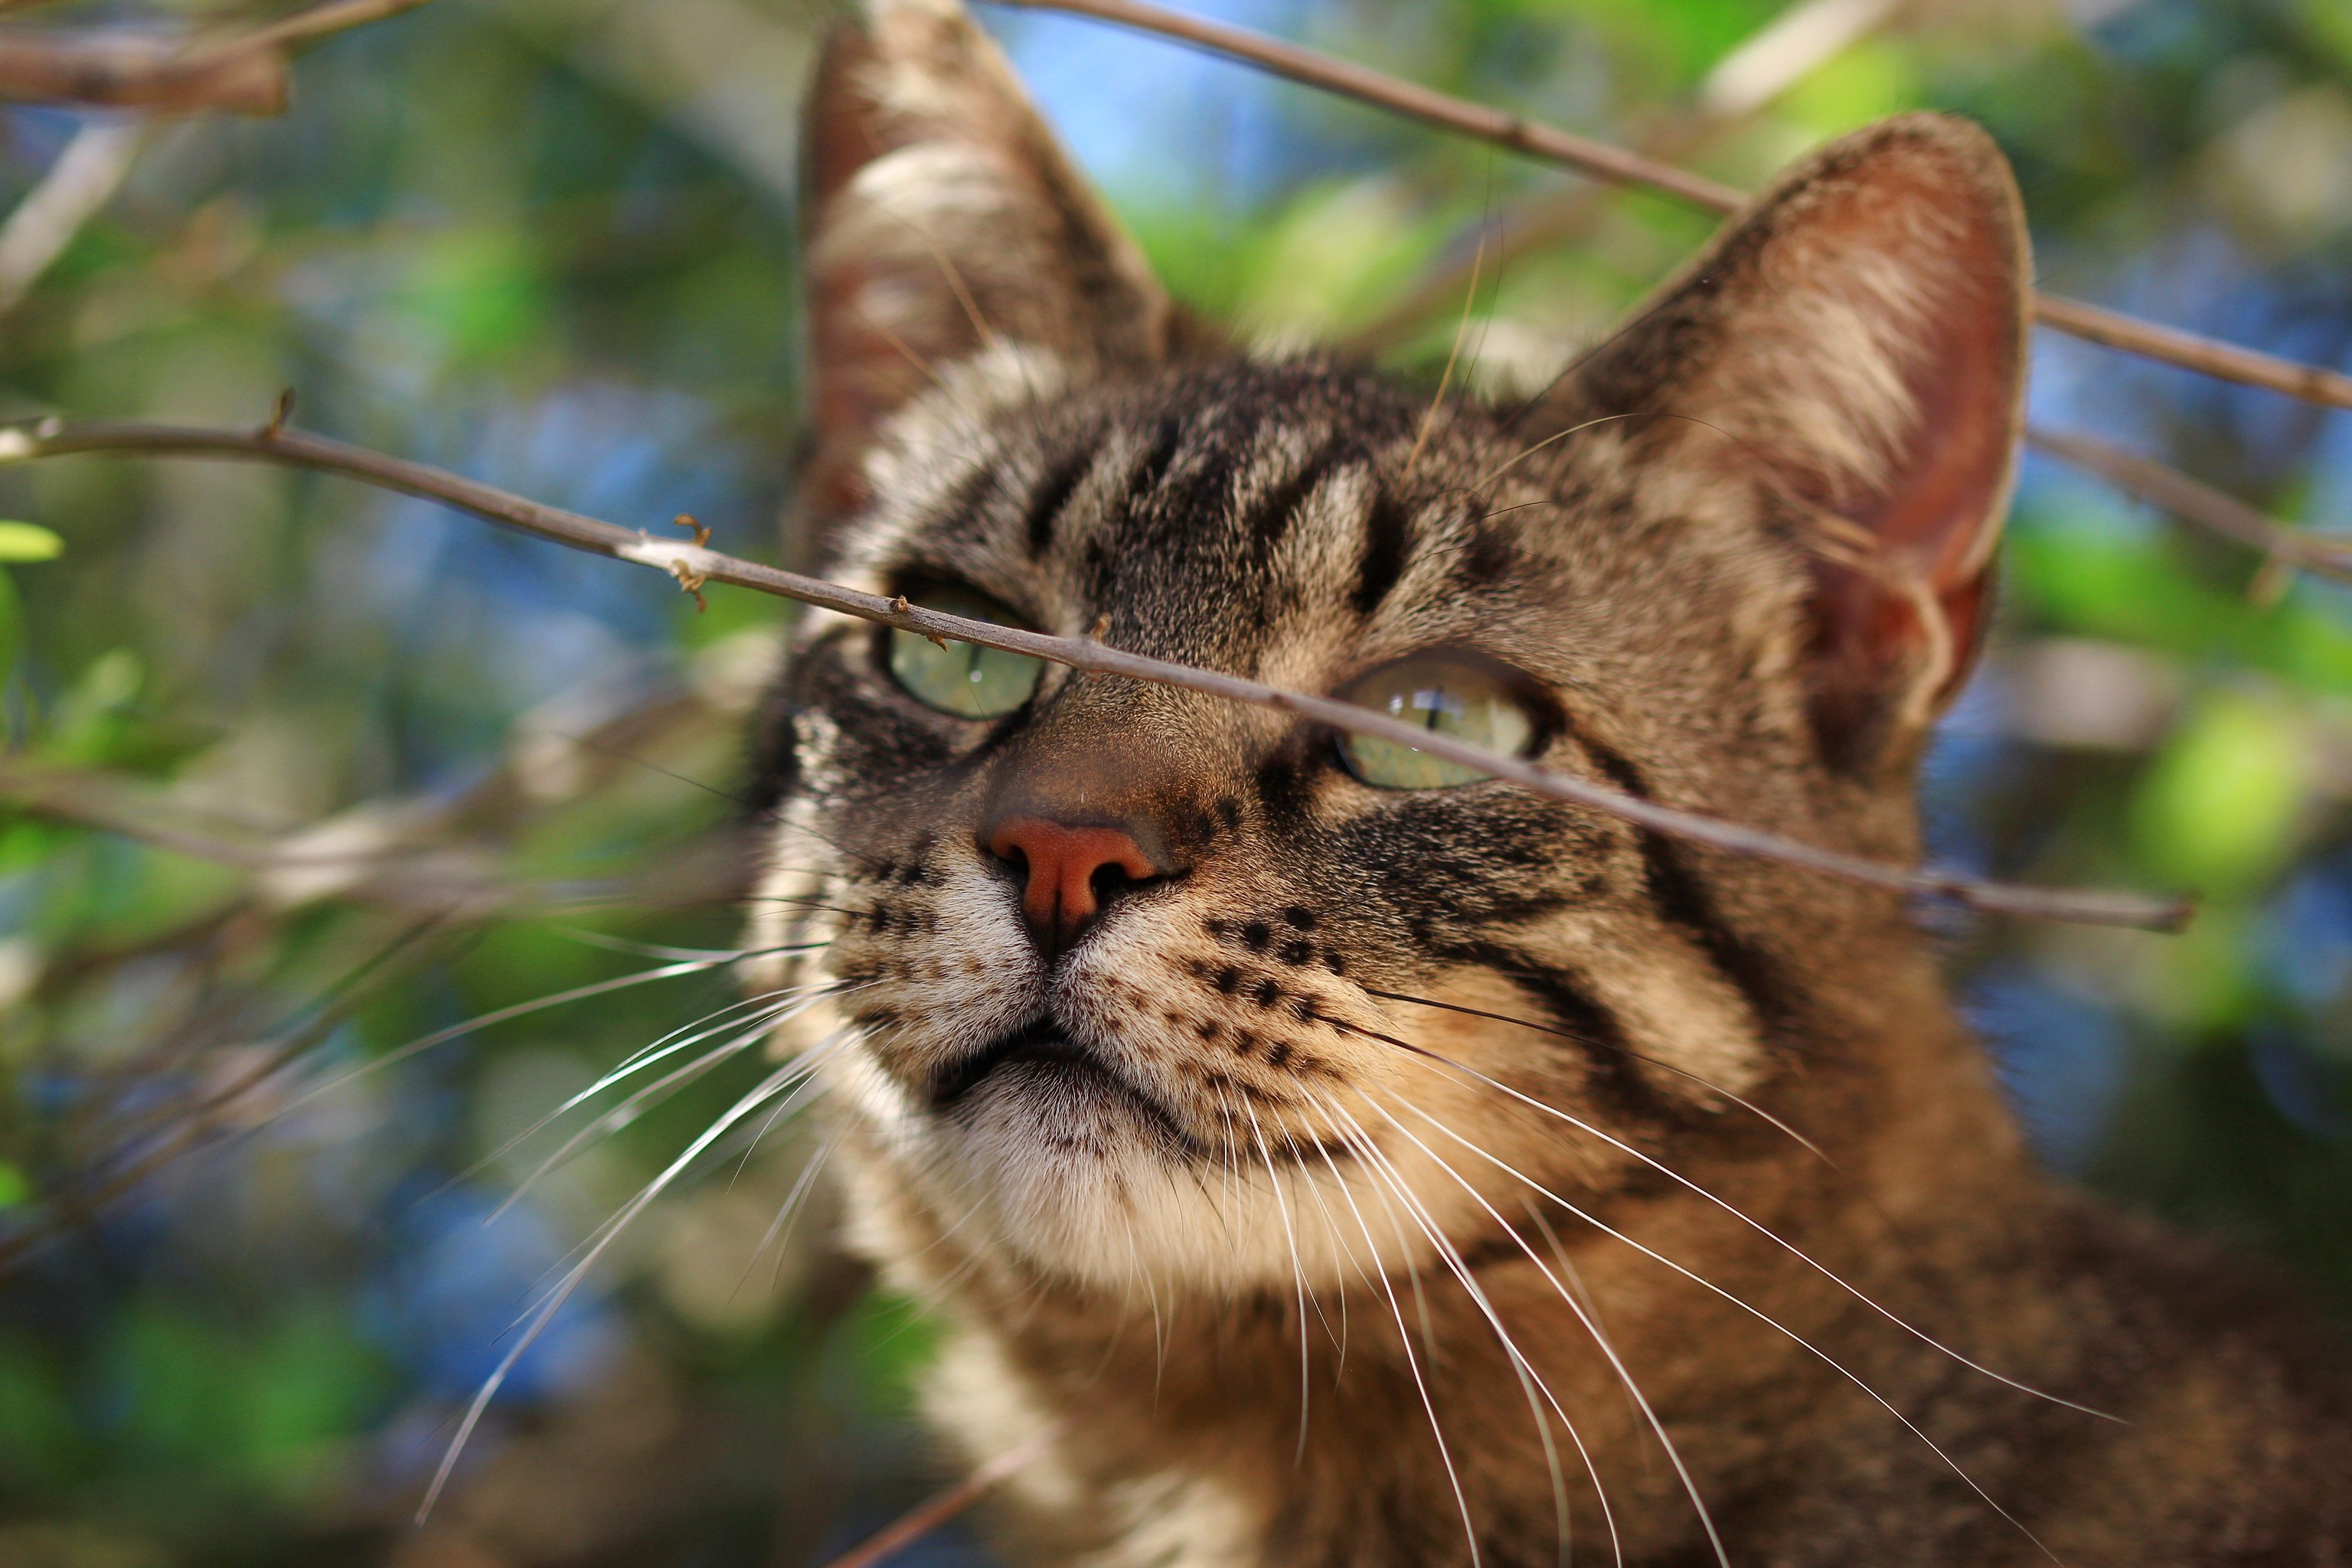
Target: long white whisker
x: 717, y: 1021
x: 628, y: 1110
x: 485, y: 1020
x: 1682, y: 1072
x: 1568, y: 1271
x: 779, y: 1230
x: 751, y: 1101
x: 814, y: 1057
x: 657, y: 950
x: 1332, y: 1228
x: 803, y: 1066
x: 1757, y: 1313
x: 796, y: 997
x: 1297, y: 1274
x: 1530, y: 1382
x: 1404, y: 1341
x: 1625, y: 1373
x: 1686, y: 1183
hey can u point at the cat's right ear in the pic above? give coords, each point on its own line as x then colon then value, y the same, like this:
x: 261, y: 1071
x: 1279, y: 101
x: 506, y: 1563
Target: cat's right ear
x: 940, y: 217
x: 1854, y: 342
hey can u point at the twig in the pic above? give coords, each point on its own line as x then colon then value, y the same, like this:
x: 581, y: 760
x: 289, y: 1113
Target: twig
x: 57, y: 438
x: 2202, y: 504
x: 940, y: 1506
x: 245, y: 74
x: 1598, y: 159
x: 83, y: 179
x: 1785, y: 50
x: 308, y: 27
x: 1776, y: 57
x: 2224, y: 362
x: 1603, y: 162
x: 198, y: 1125
x: 137, y: 72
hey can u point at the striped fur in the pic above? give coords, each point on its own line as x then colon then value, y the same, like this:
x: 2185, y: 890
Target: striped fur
x: 1447, y: 1119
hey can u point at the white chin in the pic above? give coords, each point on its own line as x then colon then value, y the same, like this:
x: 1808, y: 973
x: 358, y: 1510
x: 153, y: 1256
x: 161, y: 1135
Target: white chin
x: 1080, y: 1179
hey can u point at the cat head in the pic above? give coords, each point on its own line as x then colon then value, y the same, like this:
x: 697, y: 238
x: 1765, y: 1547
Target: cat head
x: 1131, y: 981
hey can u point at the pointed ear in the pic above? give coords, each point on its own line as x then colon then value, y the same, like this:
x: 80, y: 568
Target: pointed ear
x: 1859, y: 335
x: 941, y: 216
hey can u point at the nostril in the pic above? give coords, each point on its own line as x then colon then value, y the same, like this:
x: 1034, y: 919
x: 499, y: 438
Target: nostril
x: 1109, y: 880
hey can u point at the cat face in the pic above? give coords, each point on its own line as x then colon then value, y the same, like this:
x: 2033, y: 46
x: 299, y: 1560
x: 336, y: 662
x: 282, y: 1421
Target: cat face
x: 1130, y: 983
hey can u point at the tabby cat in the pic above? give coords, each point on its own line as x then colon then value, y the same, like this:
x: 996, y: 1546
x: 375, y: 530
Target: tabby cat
x: 1334, y: 1156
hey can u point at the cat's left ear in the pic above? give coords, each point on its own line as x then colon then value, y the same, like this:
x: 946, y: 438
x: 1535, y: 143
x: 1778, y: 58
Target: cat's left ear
x: 1856, y: 339
x: 940, y: 216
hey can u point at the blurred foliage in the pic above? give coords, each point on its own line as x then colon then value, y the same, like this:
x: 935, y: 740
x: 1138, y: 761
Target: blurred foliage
x: 297, y: 775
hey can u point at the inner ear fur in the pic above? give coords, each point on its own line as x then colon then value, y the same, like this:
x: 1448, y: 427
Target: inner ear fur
x: 1856, y: 340
x: 942, y: 217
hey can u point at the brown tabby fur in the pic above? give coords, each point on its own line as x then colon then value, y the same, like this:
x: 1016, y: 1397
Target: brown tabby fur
x: 1739, y: 561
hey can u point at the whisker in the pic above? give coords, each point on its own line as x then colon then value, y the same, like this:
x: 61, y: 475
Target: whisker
x: 1297, y: 1275
x: 816, y: 1058
x: 1567, y: 1270
x: 1529, y: 1380
x: 1625, y: 1373
x: 1621, y: 1049
x: 1404, y: 1340
x: 805, y: 1082
x: 1332, y: 1228
x: 643, y: 1056
x: 654, y: 950
x: 779, y: 1232
x: 1445, y: 380
x: 1686, y: 1183
x: 1755, y: 1312
x: 619, y: 754
x: 750, y: 1102
x: 628, y: 1110
x: 1136, y: 1273
x: 781, y: 823
x: 485, y: 1020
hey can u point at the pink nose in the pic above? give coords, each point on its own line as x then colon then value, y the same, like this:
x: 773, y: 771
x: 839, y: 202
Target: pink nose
x: 1067, y: 872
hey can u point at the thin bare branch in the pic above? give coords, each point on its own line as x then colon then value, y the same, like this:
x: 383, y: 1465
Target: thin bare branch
x: 1598, y: 159
x: 940, y: 1506
x: 244, y: 74
x: 1785, y: 50
x: 138, y: 72
x: 2223, y: 362
x: 2202, y: 504
x: 306, y: 28
x: 1603, y: 162
x: 1776, y: 57
x: 694, y: 566
x: 82, y: 181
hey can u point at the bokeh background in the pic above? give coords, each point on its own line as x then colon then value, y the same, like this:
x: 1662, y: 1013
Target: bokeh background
x: 298, y: 775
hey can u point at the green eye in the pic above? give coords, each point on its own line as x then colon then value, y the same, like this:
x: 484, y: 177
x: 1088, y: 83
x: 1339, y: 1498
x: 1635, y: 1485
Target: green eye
x: 963, y: 678
x: 1445, y: 696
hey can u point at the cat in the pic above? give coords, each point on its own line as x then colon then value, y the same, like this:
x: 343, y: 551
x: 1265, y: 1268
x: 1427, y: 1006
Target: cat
x: 1331, y: 1156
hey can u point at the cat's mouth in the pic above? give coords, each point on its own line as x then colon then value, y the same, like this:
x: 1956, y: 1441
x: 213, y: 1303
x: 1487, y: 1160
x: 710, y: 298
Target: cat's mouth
x: 1040, y: 1055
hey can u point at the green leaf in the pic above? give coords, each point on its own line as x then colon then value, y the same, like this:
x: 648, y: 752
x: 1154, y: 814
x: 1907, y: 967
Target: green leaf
x: 29, y: 542
x: 2070, y: 574
x: 14, y: 1186
x: 2222, y: 807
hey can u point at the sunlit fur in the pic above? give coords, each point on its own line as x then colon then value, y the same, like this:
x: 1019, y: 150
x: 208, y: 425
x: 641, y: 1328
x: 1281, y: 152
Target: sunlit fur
x: 1487, y: 1178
